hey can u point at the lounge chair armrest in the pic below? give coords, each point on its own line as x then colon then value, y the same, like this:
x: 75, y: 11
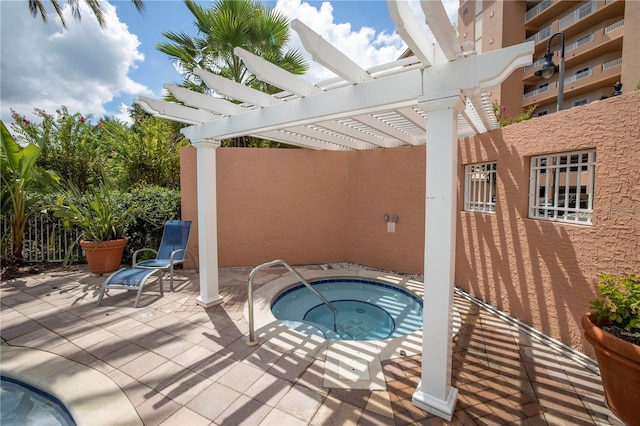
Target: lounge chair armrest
x: 135, y: 254
x: 173, y: 253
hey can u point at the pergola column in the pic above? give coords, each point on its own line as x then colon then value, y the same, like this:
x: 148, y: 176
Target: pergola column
x: 435, y: 393
x: 207, y: 222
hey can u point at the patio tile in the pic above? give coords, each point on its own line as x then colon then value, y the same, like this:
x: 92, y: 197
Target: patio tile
x: 243, y: 411
x: 143, y: 364
x: 187, y: 387
x: 280, y: 418
x: 200, y: 370
x: 334, y: 411
x: 240, y: 377
x: 290, y: 367
x: 99, y: 335
x: 184, y: 417
x: 162, y: 376
x: 124, y: 355
x: 213, y: 401
x: 268, y: 389
x: 300, y: 402
x: 157, y: 409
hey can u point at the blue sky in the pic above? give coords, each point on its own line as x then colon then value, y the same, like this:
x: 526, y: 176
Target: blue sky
x: 100, y: 71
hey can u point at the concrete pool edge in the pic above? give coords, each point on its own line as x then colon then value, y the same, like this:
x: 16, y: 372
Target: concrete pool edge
x: 87, y: 393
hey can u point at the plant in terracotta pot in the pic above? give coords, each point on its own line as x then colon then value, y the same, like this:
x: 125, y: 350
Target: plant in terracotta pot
x: 612, y: 327
x: 100, y: 223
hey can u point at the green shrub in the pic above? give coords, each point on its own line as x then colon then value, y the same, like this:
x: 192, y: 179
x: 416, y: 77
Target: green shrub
x: 151, y: 207
x: 619, y: 301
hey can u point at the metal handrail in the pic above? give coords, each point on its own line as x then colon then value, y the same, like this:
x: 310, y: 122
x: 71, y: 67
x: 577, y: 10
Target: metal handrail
x: 252, y: 333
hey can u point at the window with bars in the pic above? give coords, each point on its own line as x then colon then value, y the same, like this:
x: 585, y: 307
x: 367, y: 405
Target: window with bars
x: 562, y: 187
x: 480, y: 187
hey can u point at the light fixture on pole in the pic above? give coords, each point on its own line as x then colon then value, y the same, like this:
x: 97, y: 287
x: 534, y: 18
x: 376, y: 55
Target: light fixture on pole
x: 549, y: 68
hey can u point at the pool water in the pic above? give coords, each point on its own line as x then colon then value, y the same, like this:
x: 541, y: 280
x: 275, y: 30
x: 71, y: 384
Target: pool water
x: 21, y: 404
x: 367, y: 310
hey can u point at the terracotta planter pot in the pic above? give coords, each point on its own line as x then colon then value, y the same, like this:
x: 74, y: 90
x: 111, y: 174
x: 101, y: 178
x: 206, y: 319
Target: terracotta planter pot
x: 104, y: 256
x: 619, y: 363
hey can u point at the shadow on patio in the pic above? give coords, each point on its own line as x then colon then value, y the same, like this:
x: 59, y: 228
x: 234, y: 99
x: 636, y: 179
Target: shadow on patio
x: 181, y: 364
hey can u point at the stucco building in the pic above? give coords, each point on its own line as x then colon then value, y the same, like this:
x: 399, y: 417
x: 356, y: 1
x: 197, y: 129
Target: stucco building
x: 601, y: 41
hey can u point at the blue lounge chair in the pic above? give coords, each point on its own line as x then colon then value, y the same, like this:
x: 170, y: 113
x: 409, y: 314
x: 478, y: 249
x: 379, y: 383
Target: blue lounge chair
x: 172, y: 251
x: 129, y: 279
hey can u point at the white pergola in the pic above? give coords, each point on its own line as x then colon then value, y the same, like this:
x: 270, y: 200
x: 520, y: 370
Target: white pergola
x: 433, y: 98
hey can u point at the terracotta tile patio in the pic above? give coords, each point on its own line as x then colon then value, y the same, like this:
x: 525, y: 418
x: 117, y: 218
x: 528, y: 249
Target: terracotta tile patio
x: 181, y: 364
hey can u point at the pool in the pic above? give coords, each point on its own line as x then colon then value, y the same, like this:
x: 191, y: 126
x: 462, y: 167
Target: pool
x: 22, y: 404
x: 367, y: 309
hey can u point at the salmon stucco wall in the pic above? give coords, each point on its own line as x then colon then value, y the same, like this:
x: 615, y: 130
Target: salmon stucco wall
x: 543, y: 272
x: 391, y: 182
x: 288, y: 204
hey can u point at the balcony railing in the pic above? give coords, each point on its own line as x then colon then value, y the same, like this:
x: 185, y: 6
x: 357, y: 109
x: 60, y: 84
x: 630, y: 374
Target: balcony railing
x: 575, y: 77
x: 538, y: 8
x: 535, y: 92
x: 577, y: 14
x: 611, y: 64
x: 539, y: 61
x: 541, y: 35
x: 614, y: 26
x: 580, y: 42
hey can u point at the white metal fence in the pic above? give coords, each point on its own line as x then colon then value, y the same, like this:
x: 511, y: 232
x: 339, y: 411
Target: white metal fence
x: 45, y: 240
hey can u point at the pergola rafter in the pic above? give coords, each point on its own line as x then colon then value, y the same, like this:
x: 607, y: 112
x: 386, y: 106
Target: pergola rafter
x: 430, y: 98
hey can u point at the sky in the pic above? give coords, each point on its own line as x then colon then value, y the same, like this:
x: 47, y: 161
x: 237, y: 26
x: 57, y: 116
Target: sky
x: 99, y: 72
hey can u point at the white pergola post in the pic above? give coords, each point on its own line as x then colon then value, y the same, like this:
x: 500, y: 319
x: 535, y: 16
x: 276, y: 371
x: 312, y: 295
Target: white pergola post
x: 207, y: 222
x: 435, y: 393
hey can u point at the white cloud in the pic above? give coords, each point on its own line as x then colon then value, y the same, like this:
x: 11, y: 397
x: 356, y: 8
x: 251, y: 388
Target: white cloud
x: 84, y: 67
x: 366, y: 47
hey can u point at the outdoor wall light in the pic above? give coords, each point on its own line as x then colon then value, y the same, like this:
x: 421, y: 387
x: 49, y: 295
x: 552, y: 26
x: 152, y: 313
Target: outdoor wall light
x: 618, y: 89
x: 386, y: 217
x: 394, y: 218
x: 549, y: 68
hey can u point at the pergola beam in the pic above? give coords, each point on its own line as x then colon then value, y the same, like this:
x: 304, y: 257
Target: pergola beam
x: 206, y: 102
x: 441, y: 28
x: 318, y: 133
x: 391, y: 92
x: 181, y: 113
x: 274, y: 75
x: 411, y: 31
x: 234, y: 90
x: 387, y: 129
x: 331, y: 58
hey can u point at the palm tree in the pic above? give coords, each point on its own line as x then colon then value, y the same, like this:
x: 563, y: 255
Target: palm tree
x: 227, y: 24
x: 36, y: 6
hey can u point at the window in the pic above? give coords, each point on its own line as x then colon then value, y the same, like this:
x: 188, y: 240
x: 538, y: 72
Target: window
x: 480, y: 187
x: 583, y: 72
x: 541, y: 113
x: 562, y: 187
x: 581, y: 102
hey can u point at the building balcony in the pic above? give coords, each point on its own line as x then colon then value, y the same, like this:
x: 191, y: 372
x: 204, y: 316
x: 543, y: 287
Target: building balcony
x: 572, y: 18
x: 598, y: 76
x: 602, y: 40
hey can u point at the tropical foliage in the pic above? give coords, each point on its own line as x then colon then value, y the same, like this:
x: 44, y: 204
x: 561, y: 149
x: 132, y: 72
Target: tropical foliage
x: 228, y: 24
x: 69, y: 144
x: 146, y: 153
x: 38, y: 7
x: 20, y: 178
x: 225, y: 25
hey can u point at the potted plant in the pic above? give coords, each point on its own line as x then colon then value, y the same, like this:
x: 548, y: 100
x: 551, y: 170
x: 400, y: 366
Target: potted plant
x: 612, y: 327
x: 100, y: 224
